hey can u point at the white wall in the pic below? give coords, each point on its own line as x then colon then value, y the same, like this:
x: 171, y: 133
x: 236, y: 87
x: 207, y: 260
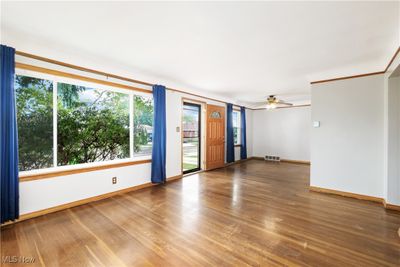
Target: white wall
x: 173, y: 113
x: 392, y: 182
x: 249, y: 133
x: 282, y: 132
x: 347, y: 150
x: 391, y: 155
x: 45, y: 193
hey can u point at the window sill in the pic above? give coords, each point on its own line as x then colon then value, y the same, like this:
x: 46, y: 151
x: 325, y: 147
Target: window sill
x: 80, y: 168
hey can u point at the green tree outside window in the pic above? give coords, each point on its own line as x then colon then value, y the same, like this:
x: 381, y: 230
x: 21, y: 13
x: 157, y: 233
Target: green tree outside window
x: 92, y: 124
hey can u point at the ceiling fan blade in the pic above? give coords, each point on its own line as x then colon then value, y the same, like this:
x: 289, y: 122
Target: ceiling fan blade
x: 284, y: 103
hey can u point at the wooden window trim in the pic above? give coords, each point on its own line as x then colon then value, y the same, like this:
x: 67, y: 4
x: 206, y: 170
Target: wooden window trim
x: 58, y: 73
x: 56, y: 173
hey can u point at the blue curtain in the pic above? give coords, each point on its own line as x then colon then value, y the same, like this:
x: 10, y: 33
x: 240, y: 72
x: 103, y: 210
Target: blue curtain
x: 158, y: 174
x: 230, y: 145
x: 8, y: 137
x: 243, y: 148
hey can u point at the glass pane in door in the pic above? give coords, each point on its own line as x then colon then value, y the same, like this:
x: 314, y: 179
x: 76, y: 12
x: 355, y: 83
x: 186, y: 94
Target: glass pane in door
x: 191, y: 137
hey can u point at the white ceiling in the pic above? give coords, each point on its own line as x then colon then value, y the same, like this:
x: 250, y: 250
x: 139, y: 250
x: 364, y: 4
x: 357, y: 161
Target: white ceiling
x: 237, y: 50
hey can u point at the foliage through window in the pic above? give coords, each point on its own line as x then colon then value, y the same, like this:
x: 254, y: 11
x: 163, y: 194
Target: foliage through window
x: 93, y: 124
x: 34, y: 99
x: 142, y: 126
x: 236, y: 127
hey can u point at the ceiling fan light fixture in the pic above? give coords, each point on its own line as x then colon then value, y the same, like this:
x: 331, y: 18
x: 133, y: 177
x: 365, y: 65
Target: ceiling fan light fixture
x: 273, y: 102
x: 271, y: 106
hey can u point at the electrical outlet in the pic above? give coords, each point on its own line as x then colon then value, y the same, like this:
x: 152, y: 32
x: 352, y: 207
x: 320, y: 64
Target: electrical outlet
x: 114, y: 180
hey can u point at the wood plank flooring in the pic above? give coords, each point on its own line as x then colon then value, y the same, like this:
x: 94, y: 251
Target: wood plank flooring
x: 249, y: 214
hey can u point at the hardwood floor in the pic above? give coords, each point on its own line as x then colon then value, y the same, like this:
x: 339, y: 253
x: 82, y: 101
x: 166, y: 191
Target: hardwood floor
x: 254, y: 213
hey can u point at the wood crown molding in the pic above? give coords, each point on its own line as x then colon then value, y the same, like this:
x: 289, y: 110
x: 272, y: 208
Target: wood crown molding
x: 361, y: 75
x: 392, y: 59
x: 56, y: 173
x: 356, y: 196
x: 349, y: 77
x: 86, y: 201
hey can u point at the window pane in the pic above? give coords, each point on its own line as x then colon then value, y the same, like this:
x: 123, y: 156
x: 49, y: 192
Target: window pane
x: 236, y: 127
x: 93, y: 125
x: 35, y: 122
x: 142, y: 126
x: 235, y: 119
x: 235, y: 135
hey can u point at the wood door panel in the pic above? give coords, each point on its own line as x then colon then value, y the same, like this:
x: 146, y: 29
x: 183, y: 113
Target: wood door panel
x: 215, y: 141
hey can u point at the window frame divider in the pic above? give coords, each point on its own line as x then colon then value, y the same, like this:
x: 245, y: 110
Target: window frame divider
x: 55, y: 122
x: 131, y: 124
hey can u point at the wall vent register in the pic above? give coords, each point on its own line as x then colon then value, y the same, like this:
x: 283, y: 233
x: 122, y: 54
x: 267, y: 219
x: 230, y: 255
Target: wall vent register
x: 272, y: 158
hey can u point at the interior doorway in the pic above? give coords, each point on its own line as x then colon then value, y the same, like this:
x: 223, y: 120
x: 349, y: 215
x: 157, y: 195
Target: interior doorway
x: 191, y: 137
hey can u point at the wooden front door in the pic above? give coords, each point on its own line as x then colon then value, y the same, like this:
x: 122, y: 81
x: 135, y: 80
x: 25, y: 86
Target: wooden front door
x: 215, y: 139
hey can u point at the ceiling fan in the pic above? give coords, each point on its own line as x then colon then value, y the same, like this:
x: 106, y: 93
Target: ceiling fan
x: 273, y: 102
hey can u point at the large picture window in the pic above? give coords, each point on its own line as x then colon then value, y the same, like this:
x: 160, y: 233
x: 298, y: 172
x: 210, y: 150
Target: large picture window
x: 64, y: 123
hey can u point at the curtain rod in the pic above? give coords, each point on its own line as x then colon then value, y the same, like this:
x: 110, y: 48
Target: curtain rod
x: 71, y: 66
